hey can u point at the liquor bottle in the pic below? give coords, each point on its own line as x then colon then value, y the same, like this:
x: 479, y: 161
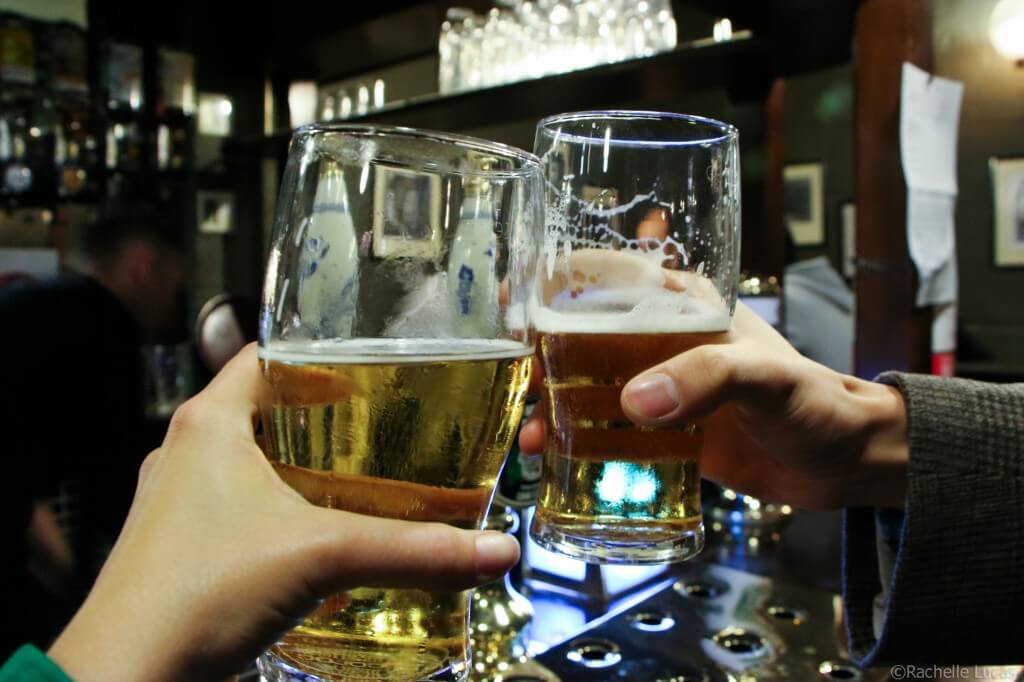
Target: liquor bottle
x: 76, y: 144
x: 26, y: 118
x: 122, y: 76
x: 175, y: 108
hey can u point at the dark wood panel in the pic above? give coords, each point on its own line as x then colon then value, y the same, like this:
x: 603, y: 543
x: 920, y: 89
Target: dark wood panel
x: 769, y: 243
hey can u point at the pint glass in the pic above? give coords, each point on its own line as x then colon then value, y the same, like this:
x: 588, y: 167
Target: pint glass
x: 395, y: 347
x: 639, y: 263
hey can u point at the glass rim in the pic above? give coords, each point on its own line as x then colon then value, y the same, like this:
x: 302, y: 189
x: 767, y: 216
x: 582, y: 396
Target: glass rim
x: 527, y: 160
x: 719, y: 130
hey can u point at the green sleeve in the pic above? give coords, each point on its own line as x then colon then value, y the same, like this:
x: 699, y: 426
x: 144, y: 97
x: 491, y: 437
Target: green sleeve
x: 29, y: 664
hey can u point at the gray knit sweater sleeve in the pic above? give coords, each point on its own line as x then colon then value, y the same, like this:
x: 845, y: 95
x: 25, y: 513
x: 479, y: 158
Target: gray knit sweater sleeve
x: 955, y: 591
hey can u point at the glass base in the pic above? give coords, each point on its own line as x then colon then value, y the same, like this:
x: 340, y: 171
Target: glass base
x: 274, y: 669
x: 636, y: 544
x: 733, y: 509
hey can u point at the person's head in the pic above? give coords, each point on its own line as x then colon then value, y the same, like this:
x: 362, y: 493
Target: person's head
x: 653, y: 229
x: 138, y: 255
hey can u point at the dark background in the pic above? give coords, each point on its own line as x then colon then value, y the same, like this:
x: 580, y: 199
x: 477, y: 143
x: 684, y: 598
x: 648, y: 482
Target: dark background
x: 329, y: 42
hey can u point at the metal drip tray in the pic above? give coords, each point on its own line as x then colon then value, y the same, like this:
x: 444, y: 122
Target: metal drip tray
x: 715, y: 624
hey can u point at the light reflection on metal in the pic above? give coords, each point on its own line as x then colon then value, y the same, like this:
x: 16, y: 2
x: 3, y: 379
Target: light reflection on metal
x: 500, y: 617
x: 753, y: 629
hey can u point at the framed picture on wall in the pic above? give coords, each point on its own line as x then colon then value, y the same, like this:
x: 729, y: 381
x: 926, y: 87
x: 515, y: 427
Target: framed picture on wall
x: 215, y: 212
x: 804, y: 203
x: 408, y: 224
x: 1008, y: 211
x: 848, y: 221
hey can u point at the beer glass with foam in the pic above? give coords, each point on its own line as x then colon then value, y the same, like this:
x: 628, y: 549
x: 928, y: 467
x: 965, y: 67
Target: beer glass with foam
x: 639, y: 262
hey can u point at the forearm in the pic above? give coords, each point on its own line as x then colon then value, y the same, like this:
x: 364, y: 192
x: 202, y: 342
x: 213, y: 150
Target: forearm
x: 114, y: 638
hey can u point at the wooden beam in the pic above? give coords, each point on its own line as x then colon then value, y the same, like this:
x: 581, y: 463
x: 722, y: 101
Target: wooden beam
x: 891, y: 333
x: 772, y: 245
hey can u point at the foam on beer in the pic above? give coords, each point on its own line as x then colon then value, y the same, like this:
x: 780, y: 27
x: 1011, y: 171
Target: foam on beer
x: 392, y: 351
x: 595, y: 290
x: 654, y: 315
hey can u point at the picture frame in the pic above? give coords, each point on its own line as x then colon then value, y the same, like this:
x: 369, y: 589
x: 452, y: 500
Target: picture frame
x: 215, y: 212
x: 216, y: 114
x: 1008, y: 211
x: 848, y: 225
x: 804, y: 197
x: 408, y: 224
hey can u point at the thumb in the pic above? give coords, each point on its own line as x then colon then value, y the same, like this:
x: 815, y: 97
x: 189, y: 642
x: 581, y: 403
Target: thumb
x: 353, y: 550
x: 697, y: 382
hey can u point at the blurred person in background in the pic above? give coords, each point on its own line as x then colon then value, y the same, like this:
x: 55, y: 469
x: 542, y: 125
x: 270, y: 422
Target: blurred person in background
x: 72, y: 409
x: 818, y: 310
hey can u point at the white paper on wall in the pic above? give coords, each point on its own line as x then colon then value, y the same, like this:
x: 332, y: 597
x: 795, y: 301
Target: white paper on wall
x: 929, y: 125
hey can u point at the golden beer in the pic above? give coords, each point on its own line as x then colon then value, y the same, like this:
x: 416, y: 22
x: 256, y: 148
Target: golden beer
x: 414, y: 430
x: 613, y: 491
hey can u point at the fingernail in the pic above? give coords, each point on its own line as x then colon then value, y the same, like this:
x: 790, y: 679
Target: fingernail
x: 652, y: 396
x: 495, y: 554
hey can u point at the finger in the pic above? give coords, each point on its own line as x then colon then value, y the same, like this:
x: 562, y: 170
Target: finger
x: 533, y: 433
x: 354, y: 550
x: 238, y: 387
x: 746, y: 324
x: 227, y: 405
x: 697, y: 382
x: 381, y: 497
x: 147, y: 465
x: 503, y: 296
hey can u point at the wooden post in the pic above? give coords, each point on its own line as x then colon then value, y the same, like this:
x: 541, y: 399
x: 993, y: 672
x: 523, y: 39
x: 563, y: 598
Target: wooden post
x: 773, y: 244
x: 891, y: 333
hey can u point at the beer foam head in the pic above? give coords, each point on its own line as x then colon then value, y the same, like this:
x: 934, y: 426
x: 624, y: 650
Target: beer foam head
x: 656, y: 314
x: 603, y: 290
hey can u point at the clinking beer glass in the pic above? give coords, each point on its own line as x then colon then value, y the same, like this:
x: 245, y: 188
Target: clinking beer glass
x: 639, y: 263
x: 395, y: 346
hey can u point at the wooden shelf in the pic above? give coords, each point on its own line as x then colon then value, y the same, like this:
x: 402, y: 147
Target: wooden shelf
x: 743, y: 65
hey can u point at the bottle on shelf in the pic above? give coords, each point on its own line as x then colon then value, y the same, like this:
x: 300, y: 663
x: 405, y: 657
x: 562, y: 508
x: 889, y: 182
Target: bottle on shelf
x: 76, y: 144
x: 175, y: 110
x: 26, y: 118
x: 122, y: 78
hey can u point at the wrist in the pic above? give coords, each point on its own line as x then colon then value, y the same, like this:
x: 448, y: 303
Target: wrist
x: 881, y: 480
x: 105, y: 641
x: 84, y: 654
